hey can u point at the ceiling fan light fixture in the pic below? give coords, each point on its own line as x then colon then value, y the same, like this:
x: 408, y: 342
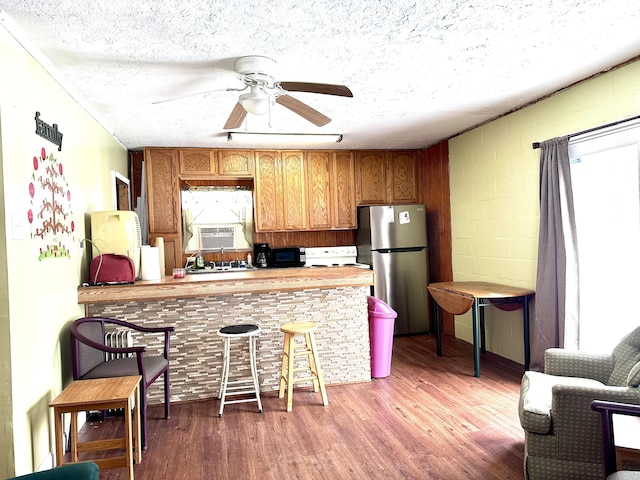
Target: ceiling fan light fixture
x: 256, y: 103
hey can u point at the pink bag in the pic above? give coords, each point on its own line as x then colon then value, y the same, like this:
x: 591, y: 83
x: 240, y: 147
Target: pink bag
x: 111, y: 268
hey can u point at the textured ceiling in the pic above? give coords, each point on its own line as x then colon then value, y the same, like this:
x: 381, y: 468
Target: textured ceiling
x: 420, y: 71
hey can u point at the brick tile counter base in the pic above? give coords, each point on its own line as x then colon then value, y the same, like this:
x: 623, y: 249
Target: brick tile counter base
x: 196, y: 351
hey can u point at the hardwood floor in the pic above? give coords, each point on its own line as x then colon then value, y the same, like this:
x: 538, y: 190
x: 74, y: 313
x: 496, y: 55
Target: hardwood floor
x: 431, y: 419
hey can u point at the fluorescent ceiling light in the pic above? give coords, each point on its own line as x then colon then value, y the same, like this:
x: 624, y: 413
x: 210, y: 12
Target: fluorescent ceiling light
x: 285, y: 137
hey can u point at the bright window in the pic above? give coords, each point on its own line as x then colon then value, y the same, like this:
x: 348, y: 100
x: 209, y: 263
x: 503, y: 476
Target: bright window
x: 605, y: 175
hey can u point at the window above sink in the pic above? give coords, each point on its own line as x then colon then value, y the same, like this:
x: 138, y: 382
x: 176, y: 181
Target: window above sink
x: 217, y: 217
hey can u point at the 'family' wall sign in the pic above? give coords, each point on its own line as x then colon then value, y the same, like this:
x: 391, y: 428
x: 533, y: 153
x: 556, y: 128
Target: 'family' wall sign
x: 48, y: 132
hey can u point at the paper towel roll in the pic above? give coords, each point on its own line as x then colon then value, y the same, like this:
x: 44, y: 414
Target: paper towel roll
x: 160, y: 245
x: 134, y: 254
x: 150, y: 263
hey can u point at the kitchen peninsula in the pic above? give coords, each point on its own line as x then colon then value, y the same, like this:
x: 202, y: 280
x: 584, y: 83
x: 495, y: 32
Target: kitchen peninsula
x: 197, y: 305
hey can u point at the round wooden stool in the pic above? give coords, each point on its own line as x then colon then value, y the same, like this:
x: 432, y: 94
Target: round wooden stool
x: 240, y: 386
x: 289, y: 353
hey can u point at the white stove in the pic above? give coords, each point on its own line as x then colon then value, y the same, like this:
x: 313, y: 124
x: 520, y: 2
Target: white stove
x: 332, y: 257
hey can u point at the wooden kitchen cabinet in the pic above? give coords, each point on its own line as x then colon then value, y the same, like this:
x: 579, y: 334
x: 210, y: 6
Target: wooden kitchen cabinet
x: 202, y: 163
x: 344, y: 191
x: 235, y: 163
x: 314, y: 190
x: 293, y: 190
x: 163, y: 199
x: 268, y: 192
x: 319, y: 190
x: 371, y: 178
x: 402, y: 176
x: 280, y: 191
x: 386, y: 177
x: 196, y: 161
x: 163, y: 203
x: 330, y: 190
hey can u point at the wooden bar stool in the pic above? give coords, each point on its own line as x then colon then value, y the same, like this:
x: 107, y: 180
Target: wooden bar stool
x: 242, y: 386
x: 289, y: 353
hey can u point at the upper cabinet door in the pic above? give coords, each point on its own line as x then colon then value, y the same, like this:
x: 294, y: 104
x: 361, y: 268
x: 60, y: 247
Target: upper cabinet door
x: 293, y: 190
x: 344, y: 192
x: 319, y: 191
x: 402, y: 176
x: 280, y: 201
x: 163, y: 200
x: 195, y: 161
x: 371, y: 178
x: 235, y: 163
x: 268, y: 192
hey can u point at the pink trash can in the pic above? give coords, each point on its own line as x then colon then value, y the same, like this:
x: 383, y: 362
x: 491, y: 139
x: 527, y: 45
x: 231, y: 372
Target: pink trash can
x: 381, y: 324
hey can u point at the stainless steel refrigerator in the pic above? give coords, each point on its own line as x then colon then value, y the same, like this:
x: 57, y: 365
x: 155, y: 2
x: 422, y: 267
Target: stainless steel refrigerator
x: 392, y: 239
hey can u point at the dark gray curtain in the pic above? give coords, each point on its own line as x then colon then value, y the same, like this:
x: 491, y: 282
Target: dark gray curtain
x: 556, y: 205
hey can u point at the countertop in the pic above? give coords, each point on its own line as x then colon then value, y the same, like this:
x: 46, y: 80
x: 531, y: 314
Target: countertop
x: 211, y: 284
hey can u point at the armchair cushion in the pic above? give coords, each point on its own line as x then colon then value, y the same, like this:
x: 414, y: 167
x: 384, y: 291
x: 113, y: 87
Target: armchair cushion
x: 574, y: 363
x: 633, y: 379
x: 536, y: 396
x: 624, y: 475
x: 122, y: 367
x: 72, y: 471
x: 627, y: 356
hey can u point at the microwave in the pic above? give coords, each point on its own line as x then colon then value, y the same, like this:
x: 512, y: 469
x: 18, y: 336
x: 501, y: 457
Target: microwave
x: 287, y: 257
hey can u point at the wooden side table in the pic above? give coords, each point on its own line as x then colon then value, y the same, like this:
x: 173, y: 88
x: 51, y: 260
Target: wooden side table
x: 101, y: 394
x: 458, y: 297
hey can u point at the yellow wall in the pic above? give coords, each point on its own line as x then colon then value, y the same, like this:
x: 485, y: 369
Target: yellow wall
x: 38, y: 298
x: 494, y: 191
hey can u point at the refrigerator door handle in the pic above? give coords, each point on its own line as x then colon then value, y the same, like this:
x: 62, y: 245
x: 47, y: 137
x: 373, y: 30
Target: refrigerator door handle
x: 399, y: 250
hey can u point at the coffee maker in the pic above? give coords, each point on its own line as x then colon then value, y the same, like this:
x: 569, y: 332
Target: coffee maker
x: 261, y: 254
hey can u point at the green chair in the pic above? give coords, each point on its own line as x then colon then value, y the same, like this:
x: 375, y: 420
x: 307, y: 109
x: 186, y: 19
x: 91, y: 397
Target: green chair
x: 71, y: 471
x: 562, y: 432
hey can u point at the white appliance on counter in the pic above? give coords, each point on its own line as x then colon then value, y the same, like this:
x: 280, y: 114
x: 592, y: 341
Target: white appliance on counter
x: 332, y: 257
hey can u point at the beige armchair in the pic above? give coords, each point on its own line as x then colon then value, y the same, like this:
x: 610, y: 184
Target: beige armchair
x: 562, y: 432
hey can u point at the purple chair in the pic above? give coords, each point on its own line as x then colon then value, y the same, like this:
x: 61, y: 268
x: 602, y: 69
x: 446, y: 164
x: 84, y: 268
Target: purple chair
x: 607, y: 410
x: 89, y: 353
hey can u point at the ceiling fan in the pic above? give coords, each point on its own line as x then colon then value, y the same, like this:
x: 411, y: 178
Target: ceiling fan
x: 257, y: 74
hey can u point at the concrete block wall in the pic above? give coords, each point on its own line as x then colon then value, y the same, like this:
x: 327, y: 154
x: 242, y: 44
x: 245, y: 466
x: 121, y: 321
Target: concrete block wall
x: 494, y: 185
x: 342, y: 336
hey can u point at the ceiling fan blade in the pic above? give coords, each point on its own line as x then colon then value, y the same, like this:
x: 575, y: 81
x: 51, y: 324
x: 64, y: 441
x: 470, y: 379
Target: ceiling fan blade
x: 185, y: 96
x: 324, y: 88
x: 303, y: 110
x: 199, y: 93
x: 236, y: 118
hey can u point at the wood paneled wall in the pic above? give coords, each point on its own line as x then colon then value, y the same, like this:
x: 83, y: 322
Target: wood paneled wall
x: 322, y: 238
x: 433, y: 172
